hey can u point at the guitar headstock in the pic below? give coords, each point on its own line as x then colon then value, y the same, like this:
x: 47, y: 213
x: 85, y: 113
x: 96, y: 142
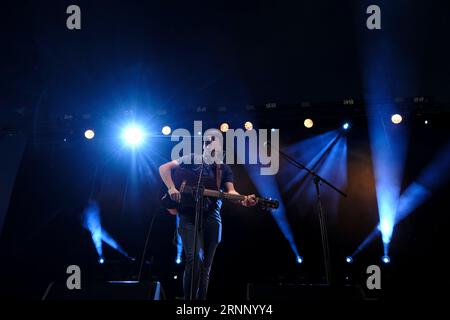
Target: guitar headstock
x: 268, y: 203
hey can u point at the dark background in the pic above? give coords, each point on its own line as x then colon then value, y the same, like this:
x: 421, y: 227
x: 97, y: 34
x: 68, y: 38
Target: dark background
x: 159, y: 62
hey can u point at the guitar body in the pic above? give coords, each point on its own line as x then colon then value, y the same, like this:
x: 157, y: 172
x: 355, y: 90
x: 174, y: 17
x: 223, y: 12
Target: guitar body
x: 186, y: 182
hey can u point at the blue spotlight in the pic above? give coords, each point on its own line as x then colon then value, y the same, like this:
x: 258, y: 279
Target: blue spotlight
x: 386, y: 259
x: 101, y: 261
x: 388, y: 153
x: 299, y: 260
x: 418, y: 192
x: 436, y: 173
x: 388, y: 143
x: 179, y: 243
x: 112, y: 243
x: 92, y: 223
x: 133, y: 135
x: 267, y: 186
x: 349, y: 259
x: 346, y: 126
x: 327, y: 155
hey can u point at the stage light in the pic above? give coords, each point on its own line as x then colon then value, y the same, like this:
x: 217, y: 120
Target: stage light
x: 89, y: 134
x: 426, y: 121
x: 179, y: 242
x: 418, y: 192
x: 388, y: 143
x: 273, y: 129
x: 175, y: 277
x: 346, y: 126
x: 396, y: 118
x: 106, y: 237
x: 248, y: 125
x: 267, y: 186
x: 349, y: 259
x: 91, y: 221
x: 224, y: 127
x: 133, y: 135
x: 166, y: 130
x: 386, y: 259
x: 308, y: 123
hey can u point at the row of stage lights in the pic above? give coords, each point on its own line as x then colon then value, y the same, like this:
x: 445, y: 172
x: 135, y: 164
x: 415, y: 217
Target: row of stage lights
x: 134, y: 135
x: 395, y: 119
x: 349, y: 260
x: 224, y: 127
x: 384, y: 259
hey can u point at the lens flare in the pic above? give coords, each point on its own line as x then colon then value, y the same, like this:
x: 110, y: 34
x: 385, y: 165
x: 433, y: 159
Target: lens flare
x: 133, y: 135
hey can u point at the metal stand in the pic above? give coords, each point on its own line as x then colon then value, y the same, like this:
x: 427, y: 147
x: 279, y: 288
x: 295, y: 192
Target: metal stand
x: 323, y: 233
x: 198, y: 216
x: 144, y: 251
x: 323, y: 226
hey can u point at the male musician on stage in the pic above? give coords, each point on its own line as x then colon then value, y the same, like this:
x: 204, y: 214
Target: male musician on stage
x: 210, y: 225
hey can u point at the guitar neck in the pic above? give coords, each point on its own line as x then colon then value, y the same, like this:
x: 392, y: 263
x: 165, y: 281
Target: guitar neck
x: 263, y: 202
x: 223, y: 195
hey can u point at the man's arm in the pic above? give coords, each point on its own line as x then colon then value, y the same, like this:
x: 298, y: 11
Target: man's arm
x: 165, y: 171
x: 249, y: 201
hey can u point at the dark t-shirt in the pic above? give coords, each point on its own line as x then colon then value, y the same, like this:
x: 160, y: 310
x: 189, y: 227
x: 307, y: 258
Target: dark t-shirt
x: 209, y: 172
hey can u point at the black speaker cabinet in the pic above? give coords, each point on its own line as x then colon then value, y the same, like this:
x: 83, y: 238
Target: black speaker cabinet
x: 111, y: 290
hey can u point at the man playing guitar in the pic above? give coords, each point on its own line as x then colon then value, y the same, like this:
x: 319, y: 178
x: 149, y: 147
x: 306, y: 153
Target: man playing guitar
x: 210, y: 225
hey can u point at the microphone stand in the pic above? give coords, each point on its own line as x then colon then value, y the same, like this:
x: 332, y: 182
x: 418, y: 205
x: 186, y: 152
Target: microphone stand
x: 198, y: 216
x: 323, y: 228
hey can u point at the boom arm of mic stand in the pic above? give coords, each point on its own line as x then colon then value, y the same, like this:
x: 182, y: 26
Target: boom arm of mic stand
x: 311, y: 172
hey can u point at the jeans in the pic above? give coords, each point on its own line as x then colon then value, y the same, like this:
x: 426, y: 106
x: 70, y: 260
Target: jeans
x: 208, y: 239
